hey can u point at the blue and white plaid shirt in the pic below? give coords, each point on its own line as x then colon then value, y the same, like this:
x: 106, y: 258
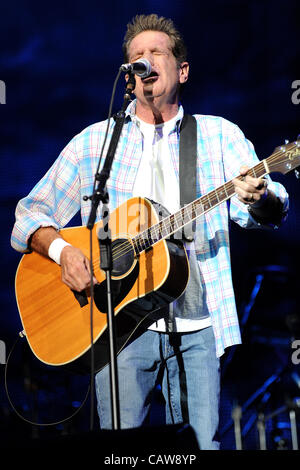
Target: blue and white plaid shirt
x: 222, y: 150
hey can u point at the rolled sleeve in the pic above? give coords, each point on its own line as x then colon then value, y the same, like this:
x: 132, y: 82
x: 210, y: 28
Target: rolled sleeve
x: 239, y: 151
x: 52, y: 202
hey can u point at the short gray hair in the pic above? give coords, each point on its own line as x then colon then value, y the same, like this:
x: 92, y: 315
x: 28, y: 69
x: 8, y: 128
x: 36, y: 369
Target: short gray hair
x: 141, y: 23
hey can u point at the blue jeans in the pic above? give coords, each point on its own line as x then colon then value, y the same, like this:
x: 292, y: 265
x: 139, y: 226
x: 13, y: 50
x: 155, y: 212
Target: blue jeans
x: 190, y: 383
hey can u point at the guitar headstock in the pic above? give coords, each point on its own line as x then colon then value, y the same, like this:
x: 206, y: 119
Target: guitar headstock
x: 285, y: 157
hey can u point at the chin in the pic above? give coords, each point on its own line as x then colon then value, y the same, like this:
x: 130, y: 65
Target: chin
x: 152, y: 93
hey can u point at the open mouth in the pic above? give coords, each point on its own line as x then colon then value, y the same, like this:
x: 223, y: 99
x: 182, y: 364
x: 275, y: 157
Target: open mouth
x: 151, y: 78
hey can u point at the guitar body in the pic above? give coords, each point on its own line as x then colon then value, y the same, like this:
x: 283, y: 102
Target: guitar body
x: 147, y: 275
x: 56, y: 322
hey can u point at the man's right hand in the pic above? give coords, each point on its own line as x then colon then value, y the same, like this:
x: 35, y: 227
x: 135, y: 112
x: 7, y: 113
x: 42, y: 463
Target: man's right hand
x: 75, y: 269
x: 75, y: 266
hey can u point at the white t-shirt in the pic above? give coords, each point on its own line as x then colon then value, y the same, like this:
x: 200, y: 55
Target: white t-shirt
x: 156, y: 163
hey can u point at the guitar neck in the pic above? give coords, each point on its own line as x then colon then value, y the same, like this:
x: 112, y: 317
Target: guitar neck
x: 175, y: 222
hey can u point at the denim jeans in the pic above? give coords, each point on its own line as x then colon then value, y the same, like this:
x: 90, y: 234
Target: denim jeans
x: 190, y: 382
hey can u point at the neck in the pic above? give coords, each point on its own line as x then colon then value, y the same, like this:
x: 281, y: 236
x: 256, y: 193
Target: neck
x: 153, y: 114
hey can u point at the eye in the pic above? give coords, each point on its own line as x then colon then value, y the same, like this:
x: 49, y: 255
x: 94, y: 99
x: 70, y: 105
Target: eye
x: 160, y: 52
x: 136, y: 57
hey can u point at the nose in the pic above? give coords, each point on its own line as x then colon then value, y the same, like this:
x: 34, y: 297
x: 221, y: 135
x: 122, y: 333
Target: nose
x: 149, y: 56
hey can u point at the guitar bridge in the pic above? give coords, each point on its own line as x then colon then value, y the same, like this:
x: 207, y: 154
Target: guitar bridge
x: 81, y: 297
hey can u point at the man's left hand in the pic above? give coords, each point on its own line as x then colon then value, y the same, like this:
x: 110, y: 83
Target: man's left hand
x: 249, y: 190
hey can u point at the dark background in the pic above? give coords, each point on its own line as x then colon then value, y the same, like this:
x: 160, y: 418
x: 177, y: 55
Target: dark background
x: 58, y: 61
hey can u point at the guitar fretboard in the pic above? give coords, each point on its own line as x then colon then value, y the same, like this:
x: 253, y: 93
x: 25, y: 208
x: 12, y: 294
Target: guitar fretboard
x: 171, y: 224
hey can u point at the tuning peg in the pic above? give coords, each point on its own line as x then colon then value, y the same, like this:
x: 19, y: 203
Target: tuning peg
x: 297, y: 174
x: 286, y: 141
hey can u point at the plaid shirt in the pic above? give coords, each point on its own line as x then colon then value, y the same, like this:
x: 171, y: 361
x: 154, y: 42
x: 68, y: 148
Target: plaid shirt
x: 222, y: 150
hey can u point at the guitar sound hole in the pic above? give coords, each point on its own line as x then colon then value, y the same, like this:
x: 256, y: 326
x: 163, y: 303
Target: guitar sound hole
x: 123, y: 256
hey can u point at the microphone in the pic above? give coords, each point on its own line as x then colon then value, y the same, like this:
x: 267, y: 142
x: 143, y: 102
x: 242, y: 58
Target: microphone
x: 142, y: 68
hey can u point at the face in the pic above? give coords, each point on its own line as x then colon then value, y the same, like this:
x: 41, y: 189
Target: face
x: 162, y: 85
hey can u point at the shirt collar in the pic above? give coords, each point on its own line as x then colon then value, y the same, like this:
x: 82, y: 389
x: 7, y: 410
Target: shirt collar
x: 130, y: 113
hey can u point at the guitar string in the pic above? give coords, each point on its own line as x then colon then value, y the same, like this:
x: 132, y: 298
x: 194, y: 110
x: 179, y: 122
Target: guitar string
x: 191, y: 208
x: 156, y: 231
x: 169, y: 222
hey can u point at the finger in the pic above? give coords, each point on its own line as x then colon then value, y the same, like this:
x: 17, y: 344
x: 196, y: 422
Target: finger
x: 244, y: 170
x: 74, y: 271
x: 251, y: 185
x: 242, y: 187
x: 247, y: 197
x: 76, y: 279
x: 88, y: 268
x: 261, y: 184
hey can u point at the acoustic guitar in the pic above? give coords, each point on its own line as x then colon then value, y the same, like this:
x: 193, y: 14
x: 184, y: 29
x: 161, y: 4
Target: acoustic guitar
x: 150, y: 270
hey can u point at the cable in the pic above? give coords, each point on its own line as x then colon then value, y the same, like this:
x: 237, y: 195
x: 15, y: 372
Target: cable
x: 92, y: 366
x: 92, y: 339
x: 55, y: 423
x: 107, y: 127
x: 91, y: 386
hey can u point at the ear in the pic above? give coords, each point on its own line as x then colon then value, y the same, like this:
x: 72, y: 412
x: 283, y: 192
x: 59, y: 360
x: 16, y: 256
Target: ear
x: 184, y: 72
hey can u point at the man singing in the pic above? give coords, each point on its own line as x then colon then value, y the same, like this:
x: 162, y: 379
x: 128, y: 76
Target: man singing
x: 182, y: 349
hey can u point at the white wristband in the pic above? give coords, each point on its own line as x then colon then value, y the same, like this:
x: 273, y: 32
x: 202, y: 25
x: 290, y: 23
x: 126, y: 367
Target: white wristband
x: 56, y: 248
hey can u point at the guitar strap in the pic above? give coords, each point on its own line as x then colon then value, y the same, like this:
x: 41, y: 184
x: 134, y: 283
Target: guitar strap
x: 187, y: 185
x: 188, y: 167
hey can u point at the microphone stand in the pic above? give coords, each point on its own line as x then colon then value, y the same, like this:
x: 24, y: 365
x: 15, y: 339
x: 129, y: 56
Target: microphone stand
x: 104, y: 237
